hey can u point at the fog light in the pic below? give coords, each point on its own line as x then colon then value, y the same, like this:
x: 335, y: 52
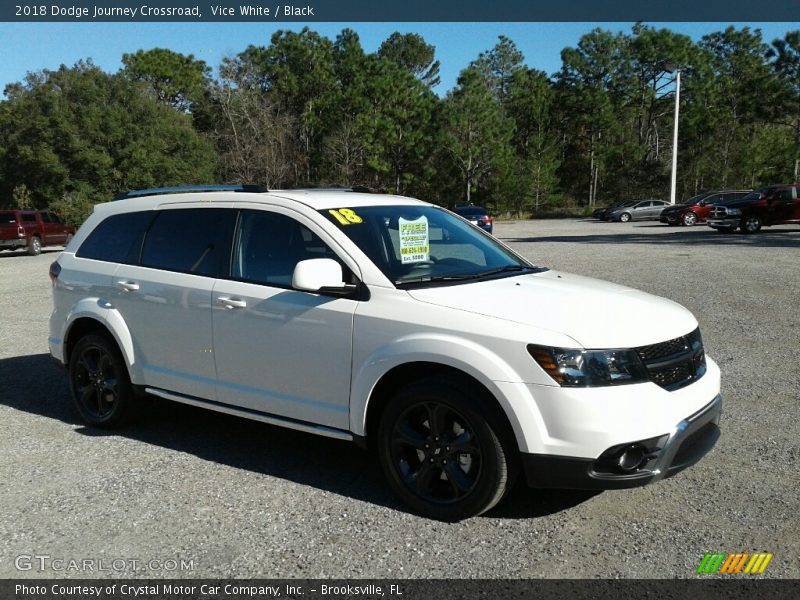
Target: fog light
x: 632, y: 458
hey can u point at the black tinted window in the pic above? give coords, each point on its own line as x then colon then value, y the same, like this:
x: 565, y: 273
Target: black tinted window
x: 117, y: 239
x: 29, y: 217
x: 190, y: 240
x: 269, y: 245
x: 7, y: 218
x: 47, y: 218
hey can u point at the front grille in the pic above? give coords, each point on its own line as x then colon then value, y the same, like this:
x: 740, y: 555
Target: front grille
x: 675, y: 363
x: 719, y: 212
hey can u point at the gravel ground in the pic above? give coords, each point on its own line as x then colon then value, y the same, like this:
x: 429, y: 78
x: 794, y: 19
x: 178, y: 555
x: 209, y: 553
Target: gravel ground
x: 243, y: 499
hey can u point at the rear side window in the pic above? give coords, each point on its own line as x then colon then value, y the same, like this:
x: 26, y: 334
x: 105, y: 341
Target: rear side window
x: 118, y: 238
x: 194, y: 240
x: 8, y: 218
x: 29, y: 217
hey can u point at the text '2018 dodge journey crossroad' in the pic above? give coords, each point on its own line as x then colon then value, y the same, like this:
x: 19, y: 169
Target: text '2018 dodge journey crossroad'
x: 386, y: 321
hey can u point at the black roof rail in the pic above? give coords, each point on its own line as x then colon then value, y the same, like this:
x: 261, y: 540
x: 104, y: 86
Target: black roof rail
x: 246, y: 187
x: 336, y: 188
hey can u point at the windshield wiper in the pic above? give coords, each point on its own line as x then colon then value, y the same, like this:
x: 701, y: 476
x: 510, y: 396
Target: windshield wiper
x: 508, y: 269
x: 471, y: 276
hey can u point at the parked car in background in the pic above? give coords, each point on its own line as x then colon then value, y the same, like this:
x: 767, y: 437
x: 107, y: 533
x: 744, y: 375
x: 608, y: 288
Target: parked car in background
x: 477, y: 215
x: 695, y: 210
x: 641, y: 210
x: 602, y: 213
x: 32, y: 229
x: 772, y: 205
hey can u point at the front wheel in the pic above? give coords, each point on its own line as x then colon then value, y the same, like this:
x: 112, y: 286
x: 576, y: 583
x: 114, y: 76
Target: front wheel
x: 101, y: 388
x: 625, y: 217
x: 443, y: 451
x: 750, y: 224
x: 690, y: 219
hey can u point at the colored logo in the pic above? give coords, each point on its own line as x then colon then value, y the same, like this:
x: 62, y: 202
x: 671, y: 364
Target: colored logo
x: 729, y: 563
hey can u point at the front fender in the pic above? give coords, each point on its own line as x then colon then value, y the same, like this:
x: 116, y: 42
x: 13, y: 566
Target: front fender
x: 467, y: 356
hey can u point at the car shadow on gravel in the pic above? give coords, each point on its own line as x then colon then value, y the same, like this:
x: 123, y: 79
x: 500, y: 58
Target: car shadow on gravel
x: 36, y: 384
x: 775, y: 238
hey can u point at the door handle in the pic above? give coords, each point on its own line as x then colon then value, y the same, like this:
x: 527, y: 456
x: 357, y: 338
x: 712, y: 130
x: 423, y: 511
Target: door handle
x: 128, y: 286
x: 231, y: 302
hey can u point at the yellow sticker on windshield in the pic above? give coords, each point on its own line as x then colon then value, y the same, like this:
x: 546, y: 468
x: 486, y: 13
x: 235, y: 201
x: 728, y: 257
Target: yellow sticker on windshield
x: 346, y: 216
x: 414, y: 241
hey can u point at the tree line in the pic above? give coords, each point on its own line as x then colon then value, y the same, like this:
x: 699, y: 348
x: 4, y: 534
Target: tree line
x: 307, y: 111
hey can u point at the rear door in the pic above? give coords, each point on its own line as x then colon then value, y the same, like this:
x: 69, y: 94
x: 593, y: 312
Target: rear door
x: 166, y: 299
x: 55, y: 232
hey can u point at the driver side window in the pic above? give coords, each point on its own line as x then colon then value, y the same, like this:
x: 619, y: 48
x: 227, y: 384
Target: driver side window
x: 269, y: 245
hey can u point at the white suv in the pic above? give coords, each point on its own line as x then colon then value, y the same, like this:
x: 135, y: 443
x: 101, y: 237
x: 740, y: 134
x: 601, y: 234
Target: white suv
x: 385, y: 321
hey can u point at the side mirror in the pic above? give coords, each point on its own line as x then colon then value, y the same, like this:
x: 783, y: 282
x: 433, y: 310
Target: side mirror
x: 319, y: 274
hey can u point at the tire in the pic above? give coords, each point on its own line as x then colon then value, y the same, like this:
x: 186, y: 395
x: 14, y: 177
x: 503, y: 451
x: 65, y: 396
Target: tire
x: 101, y: 388
x: 750, y: 224
x: 34, y: 246
x: 689, y: 219
x: 624, y: 217
x: 422, y: 463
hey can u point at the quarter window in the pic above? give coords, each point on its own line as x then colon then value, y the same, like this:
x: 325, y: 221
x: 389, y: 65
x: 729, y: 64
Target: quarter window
x: 190, y: 241
x: 117, y: 239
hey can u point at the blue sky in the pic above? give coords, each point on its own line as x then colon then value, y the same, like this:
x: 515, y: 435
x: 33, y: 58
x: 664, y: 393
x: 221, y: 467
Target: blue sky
x: 33, y: 46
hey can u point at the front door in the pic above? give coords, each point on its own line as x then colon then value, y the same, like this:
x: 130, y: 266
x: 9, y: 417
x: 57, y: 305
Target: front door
x: 278, y: 350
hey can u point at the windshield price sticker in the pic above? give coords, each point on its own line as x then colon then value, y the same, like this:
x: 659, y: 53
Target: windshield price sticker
x: 414, y: 243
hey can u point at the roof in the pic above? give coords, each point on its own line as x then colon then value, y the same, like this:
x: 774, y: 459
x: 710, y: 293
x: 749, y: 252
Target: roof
x: 316, y: 199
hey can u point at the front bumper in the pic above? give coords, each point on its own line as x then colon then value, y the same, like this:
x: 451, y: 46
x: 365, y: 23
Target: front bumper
x: 666, y: 455
x: 726, y: 222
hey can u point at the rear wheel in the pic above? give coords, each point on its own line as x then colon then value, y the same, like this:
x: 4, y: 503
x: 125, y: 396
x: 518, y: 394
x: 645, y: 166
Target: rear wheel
x: 750, y: 224
x: 690, y: 219
x: 34, y: 246
x: 443, y: 451
x: 101, y: 388
x: 625, y: 217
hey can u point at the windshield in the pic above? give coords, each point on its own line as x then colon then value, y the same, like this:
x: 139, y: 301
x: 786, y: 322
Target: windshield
x: 425, y: 245
x: 751, y: 197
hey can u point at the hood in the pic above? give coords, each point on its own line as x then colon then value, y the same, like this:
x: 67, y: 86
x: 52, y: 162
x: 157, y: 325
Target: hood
x: 595, y: 313
x: 674, y: 207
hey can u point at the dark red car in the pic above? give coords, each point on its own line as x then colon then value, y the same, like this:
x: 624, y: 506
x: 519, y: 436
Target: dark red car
x: 32, y: 229
x: 696, y: 209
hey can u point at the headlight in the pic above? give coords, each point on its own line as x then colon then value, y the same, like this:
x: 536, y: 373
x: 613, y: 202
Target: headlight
x: 589, y: 368
x: 734, y: 211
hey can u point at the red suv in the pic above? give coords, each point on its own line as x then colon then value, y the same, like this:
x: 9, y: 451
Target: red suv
x: 695, y: 210
x: 32, y: 229
x: 773, y: 205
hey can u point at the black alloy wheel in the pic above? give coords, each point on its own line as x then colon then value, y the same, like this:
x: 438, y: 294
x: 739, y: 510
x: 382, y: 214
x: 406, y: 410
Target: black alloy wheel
x: 440, y: 453
x: 101, y: 388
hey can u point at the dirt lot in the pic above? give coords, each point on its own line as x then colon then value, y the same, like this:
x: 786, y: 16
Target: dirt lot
x: 233, y: 498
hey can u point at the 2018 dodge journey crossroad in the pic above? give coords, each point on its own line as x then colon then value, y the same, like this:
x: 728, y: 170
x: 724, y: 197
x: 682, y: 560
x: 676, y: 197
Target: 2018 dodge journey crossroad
x: 385, y: 321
